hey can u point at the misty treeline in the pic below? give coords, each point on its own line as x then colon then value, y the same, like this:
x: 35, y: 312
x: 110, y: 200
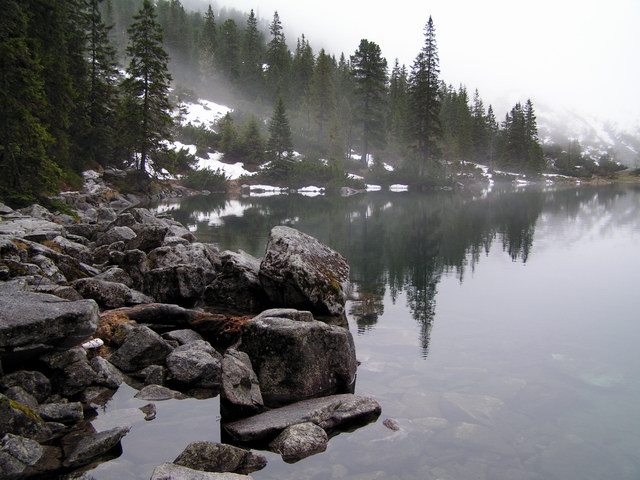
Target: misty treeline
x: 88, y: 83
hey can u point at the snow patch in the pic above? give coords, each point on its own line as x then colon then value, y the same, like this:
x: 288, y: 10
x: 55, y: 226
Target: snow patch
x: 203, y: 113
x: 396, y: 187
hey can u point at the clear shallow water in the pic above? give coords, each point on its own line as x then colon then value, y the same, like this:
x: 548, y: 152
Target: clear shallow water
x: 499, y: 331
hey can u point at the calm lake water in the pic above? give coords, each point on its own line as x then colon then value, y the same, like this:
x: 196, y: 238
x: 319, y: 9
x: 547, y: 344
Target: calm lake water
x: 500, y: 331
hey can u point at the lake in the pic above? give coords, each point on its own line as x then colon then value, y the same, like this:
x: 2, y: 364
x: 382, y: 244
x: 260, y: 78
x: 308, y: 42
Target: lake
x: 499, y: 330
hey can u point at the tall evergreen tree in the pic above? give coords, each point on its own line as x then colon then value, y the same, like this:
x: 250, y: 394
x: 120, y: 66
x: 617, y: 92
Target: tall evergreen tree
x: 369, y: 71
x: 323, y: 93
x: 398, y: 107
x: 147, y: 85
x: 27, y: 171
x: 492, y: 137
x: 424, y: 100
x: 301, y: 70
x: 278, y: 59
x: 101, y: 95
x: 252, y: 55
x: 479, y: 130
x: 252, y: 142
x: 208, y: 44
x: 228, y: 52
x: 279, y: 145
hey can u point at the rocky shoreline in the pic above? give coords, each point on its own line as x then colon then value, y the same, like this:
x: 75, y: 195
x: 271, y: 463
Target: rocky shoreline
x: 113, y: 293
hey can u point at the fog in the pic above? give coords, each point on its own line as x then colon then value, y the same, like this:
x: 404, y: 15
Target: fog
x: 573, y: 54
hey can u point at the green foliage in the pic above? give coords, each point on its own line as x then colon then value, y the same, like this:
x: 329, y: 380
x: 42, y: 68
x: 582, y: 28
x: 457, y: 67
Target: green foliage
x: 280, y: 145
x: 205, y: 179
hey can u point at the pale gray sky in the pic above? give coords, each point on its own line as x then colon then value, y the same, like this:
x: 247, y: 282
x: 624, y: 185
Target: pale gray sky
x: 578, y: 54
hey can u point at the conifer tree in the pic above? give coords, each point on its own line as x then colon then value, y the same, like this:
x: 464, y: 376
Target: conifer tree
x: 398, y: 107
x: 252, y: 55
x: 27, y: 171
x: 424, y: 100
x: 252, y: 142
x: 228, y: 52
x: 101, y: 95
x: 279, y: 145
x: 323, y: 93
x: 147, y: 86
x: 369, y: 71
x: 492, y: 136
x: 208, y: 43
x: 301, y: 70
x: 278, y: 59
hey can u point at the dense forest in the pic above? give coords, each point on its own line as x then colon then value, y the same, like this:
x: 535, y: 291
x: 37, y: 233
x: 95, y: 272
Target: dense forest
x: 97, y: 83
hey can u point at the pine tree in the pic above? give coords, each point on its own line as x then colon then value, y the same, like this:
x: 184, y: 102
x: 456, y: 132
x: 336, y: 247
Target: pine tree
x: 479, y: 130
x: 369, y: 71
x: 301, y: 70
x: 279, y: 145
x: 424, y: 101
x: 101, y: 95
x: 398, y: 107
x: 228, y: 53
x: 252, y: 142
x: 535, y: 158
x: 278, y: 60
x: 323, y: 93
x: 147, y: 85
x: 208, y: 44
x: 252, y: 54
x: 492, y: 137
x: 27, y: 171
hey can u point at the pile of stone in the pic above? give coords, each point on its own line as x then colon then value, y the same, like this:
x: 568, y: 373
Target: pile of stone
x: 145, y: 288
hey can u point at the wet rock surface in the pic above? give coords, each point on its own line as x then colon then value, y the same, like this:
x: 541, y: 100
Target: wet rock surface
x: 217, y: 457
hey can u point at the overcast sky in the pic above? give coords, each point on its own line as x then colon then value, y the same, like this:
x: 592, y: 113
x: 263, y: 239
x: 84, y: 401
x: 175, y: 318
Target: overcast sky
x: 577, y: 54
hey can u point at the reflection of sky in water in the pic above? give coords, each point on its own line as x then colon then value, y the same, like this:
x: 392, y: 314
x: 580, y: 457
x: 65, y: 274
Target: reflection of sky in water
x: 528, y: 370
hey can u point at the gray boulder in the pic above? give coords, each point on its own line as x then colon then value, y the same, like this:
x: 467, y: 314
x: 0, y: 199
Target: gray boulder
x: 300, y: 441
x: 30, y: 228
x: 134, y: 262
x: 115, y: 234
x: 33, y: 382
x: 142, y: 347
x: 157, y: 393
x: 93, y: 446
x: 106, y: 374
x: 180, y: 284
x: 116, y: 275
x: 61, y: 412
x: 20, y: 395
x: 298, y: 271
x: 197, y: 254
x: 17, y: 454
x: 196, y: 364
x: 73, y: 249
x: 240, y: 386
x: 217, y: 457
x: 48, y: 269
x: 32, y: 322
x: 109, y: 294
x: 183, y: 336
x: 326, y: 412
x: 19, y: 419
x: 169, y: 471
x: 148, y: 237
x: 295, y: 360
x: 237, y: 286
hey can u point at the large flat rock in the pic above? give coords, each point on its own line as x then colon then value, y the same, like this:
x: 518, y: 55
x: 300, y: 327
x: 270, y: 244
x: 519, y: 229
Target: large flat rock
x: 33, y: 321
x: 326, y: 412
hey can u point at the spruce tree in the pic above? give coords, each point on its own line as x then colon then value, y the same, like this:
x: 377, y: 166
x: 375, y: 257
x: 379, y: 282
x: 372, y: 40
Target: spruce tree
x: 323, y: 93
x: 252, y: 55
x: 279, y: 145
x: 27, y: 170
x: 398, y: 108
x: 147, y: 86
x: 252, y: 142
x: 492, y: 137
x: 278, y: 60
x: 479, y: 131
x: 228, y: 52
x: 369, y: 71
x: 208, y: 44
x: 424, y: 101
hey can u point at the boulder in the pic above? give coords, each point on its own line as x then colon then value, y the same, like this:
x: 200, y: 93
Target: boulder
x: 74, y: 378
x: 20, y: 395
x: 60, y: 291
x: 217, y: 457
x: 106, y: 374
x: 33, y: 382
x: 134, y: 262
x: 33, y: 322
x: 195, y: 364
x: 30, y: 228
x: 197, y: 254
x: 142, y: 347
x: 169, y: 471
x: 326, y: 412
x: 298, y: 271
x: 181, y: 284
x: 295, y: 360
x: 157, y: 393
x: 116, y: 275
x: 17, y: 454
x: 48, y: 269
x: 148, y: 237
x: 19, y: 419
x: 240, y: 387
x: 300, y: 441
x: 183, y: 336
x: 92, y: 446
x: 115, y: 234
x: 73, y: 249
x: 237, y: 286
x: 61, y: 412
x: 109, y: 294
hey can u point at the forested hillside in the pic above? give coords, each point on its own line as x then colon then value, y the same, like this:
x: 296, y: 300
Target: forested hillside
x: 88, y: 83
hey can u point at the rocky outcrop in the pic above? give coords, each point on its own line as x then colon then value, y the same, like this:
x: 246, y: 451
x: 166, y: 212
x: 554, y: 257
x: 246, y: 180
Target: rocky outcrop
x: 326, y: 412
x: 295, y: 360
x: 218, y: 457
x: 240, y: 387
x: 298, y: 271
x: 237, y: 285
x: 31, y: 323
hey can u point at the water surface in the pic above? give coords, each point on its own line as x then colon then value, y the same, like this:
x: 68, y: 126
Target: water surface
x: 499, y: 330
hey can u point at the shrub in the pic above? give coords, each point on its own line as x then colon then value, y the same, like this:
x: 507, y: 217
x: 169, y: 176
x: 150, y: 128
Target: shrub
x: 205, y: 179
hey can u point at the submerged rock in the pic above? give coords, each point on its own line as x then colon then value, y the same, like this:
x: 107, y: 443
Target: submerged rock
x: 218, y: 457
x: 169, y: 471
x: 298, y: 271
x: 326, y: 412
x: 300, y: 441
x: 93, y: 446
x: 156, y: 393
